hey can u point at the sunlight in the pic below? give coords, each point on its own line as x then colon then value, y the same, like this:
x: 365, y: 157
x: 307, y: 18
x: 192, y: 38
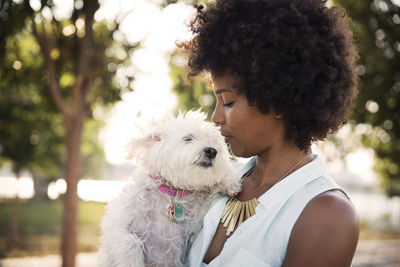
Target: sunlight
x: 361, y: 162
x: 152, y: 98
x: 88, y: 190
x: 100, y: 191
x: 139, y: 23
x: 11, y: 187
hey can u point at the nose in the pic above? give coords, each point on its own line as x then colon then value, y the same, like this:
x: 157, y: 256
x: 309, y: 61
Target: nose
x: 218, y: 116
x: 210, y: 152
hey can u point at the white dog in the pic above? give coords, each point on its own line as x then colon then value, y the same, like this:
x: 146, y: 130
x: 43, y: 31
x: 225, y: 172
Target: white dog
x: 183, y: 165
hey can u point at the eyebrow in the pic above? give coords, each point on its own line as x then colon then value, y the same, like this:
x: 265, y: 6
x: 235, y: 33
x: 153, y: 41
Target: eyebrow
x: 222, y: 90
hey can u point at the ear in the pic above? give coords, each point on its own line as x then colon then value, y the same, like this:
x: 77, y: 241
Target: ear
x: 275, y: 114
x: 138, y: 146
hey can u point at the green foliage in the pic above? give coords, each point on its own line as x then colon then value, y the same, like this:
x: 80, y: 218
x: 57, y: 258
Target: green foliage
x: 75, y: 68
x: 35, y: 218
x: 90, y: 213
x: 377, y: 34
x: 14, y: 23
x: 45, y: 217
x: 193, y: 92
x: 28, y: 125
x: 32, y: 131
x: 94, y: 161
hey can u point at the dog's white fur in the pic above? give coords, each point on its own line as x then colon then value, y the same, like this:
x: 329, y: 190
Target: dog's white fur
x: 136, y: 228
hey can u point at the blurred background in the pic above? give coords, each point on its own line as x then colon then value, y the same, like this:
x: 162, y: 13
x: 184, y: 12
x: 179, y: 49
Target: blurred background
x: 79, y: 78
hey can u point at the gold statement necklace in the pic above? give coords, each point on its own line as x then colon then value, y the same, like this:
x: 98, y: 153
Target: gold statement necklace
x: 236, y: 211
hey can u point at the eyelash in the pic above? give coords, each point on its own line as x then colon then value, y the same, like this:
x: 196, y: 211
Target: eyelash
x: 228, y: 104
x: 188, y: 138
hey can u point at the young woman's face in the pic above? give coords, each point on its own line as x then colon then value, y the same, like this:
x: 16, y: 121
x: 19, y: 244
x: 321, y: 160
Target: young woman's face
x: 245, y: 128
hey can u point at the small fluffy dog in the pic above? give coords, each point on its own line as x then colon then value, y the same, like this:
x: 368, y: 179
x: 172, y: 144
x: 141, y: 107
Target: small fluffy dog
x: 183, y: 165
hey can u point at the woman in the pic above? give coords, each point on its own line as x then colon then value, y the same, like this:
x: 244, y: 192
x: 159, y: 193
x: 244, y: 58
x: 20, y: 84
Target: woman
x: 283, y: 75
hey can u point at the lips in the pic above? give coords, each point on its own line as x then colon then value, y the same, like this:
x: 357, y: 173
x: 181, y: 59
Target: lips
x: 226, y: 136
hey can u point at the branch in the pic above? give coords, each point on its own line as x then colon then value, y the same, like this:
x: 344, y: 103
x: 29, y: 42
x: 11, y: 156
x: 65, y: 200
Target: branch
x: 99, y: 92
x: 100, y: 63
x: 54, y: 87
x: 85, y: 50
x: 99, y: 66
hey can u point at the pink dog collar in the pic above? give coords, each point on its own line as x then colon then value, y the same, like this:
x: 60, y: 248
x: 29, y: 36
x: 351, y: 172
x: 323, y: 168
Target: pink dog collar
x: 166, y: 189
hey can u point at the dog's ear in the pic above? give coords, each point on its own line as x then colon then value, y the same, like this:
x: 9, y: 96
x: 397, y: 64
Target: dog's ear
x: 139, y: 145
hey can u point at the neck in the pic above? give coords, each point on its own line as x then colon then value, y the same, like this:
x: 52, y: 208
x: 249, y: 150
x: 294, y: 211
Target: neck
x: 163, y: 187
x: 278, y: 162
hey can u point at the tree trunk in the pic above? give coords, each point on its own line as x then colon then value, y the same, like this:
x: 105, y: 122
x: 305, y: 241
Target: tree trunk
x: 40, y: 185
x: 74, y: 128
x: 15, y: 237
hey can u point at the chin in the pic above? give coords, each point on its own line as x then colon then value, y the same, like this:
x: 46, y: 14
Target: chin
x: 237, y: 152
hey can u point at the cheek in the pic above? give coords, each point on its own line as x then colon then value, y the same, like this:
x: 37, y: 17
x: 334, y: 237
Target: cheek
x: 232, y: 116
x: 238, y: 119
x: 248, y: 132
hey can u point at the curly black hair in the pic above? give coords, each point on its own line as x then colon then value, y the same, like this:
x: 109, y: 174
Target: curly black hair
x: 294, y: 56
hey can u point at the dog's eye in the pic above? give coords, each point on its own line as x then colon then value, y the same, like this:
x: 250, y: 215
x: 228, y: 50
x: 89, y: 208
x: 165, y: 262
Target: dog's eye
x: 188, y: 138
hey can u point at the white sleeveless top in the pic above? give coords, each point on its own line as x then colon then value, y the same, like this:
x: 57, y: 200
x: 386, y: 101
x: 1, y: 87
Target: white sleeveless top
x: 262, y: 239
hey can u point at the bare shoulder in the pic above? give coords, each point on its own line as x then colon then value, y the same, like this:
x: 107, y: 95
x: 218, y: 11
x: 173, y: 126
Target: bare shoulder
x: 326, y: 233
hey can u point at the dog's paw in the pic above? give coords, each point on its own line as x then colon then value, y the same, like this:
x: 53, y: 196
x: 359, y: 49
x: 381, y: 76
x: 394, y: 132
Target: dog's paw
x: 230, y: 187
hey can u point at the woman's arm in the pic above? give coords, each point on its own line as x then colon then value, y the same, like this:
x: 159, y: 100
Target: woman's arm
x: 326, y: 233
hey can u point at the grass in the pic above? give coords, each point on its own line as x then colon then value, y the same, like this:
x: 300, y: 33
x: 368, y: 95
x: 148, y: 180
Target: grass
x: 382, y: 230
x: 370, y: 233
x: 40, y: 228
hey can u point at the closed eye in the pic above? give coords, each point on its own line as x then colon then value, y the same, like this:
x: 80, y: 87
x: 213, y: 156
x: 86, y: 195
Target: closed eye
x: 188, y: 138
x: 230, y: 104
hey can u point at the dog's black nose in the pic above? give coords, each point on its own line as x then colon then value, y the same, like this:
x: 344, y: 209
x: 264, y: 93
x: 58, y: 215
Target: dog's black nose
x: 210, y: 152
